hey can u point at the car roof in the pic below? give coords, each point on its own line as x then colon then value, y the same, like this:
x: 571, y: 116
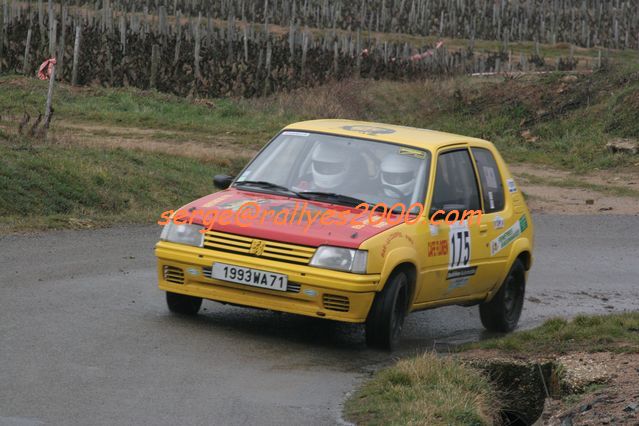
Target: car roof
x: 411, y: 136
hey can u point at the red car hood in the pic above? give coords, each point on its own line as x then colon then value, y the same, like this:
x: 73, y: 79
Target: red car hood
x: 289, y: 221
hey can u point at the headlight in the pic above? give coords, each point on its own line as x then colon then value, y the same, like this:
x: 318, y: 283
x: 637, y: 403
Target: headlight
x: 183, y: 234
x: 341, y: 259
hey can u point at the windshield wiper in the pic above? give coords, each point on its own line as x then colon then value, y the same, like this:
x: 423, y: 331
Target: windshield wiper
x: 308, y: 195
x: 266, y: 185
x: 339, y: 198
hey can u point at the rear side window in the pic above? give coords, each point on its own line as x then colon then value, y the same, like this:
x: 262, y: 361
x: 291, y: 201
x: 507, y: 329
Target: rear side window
x: 455, y: 183
x: 493, y: 188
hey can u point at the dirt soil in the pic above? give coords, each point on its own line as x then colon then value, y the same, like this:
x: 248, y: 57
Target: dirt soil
x: 616, y: 401
x: 594, y: 389
x: 599, y: 194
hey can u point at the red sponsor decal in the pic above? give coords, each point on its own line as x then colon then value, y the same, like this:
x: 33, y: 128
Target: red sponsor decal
x: 438, y: 248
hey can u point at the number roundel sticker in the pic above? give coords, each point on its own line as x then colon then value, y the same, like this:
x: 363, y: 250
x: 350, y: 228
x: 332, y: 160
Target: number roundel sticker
x: 459, y: 240
x: 459, y: 243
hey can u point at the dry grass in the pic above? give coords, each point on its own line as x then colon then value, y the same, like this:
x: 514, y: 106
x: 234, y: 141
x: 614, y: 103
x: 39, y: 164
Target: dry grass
x: 360, y: 99
x: 588, y: 333
x: 563, y: 120
x: 220, y: 153
x: 425, y: 390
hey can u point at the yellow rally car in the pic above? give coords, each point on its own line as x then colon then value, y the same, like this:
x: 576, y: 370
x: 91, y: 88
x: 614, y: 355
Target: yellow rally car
x: 409, y: 219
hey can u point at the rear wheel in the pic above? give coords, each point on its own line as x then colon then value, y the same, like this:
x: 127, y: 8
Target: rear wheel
x: 183, y: 304
x: 503, y: 311
x: 386, y: 317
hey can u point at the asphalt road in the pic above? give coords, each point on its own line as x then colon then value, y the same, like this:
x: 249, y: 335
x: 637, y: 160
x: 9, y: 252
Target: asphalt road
x: 85, y: 337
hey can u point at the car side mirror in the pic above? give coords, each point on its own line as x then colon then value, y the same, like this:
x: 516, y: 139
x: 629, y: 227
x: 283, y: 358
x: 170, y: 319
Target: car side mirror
x: 222, y: 181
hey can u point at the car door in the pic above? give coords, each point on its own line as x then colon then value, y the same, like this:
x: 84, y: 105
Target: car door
x: 497, y: 216
x: 456, y: 248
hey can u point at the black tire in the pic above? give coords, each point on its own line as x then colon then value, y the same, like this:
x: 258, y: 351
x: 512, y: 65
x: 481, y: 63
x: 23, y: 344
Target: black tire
x: 503, y: 311
x: 386, y: 317
x: 183, y: 304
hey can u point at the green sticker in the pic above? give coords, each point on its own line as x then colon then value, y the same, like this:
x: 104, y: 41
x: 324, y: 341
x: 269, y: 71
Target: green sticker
x: 508, y: 236
x: 413, y: 152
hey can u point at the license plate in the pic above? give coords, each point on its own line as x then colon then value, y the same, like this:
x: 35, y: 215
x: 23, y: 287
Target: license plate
x: 249, y: 276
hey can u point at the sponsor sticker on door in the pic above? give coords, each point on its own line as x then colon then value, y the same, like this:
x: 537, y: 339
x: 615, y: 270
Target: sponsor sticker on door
x: 508, y: 236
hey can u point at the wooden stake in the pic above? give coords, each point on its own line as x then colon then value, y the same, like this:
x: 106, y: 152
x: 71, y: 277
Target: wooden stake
x: 178, y: 37
x: 41, y: 19
x: 25, y: 63
x: 61, y: 46
x: 123, y: 34
x: 48, y: 110
x: 245, y: 43
x: 304, y: 50
x: 76, y: 56
x: 53, y: 31
x: 196, y: 51
x: 3, y: 32
x: 155, y: 63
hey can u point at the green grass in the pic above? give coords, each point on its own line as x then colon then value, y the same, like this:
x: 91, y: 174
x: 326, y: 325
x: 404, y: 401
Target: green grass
x: 60, y: 186
x: 425, y: 390
x: 615, y: 333
x: 550, y: 119
x: 559, y: 120
x: 570, y: 119
x: 431, y: 389
x: 129, y: 107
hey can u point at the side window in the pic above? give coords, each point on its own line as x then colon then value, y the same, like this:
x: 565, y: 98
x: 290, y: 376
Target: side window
x: 493, y: 188
x: 455, y: 183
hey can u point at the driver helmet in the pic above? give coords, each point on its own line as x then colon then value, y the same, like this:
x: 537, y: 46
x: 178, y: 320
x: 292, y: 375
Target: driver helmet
x: 399, y: 172
x: 329, y: 165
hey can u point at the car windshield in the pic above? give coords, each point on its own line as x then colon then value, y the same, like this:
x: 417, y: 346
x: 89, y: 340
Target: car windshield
x: 339, y: 169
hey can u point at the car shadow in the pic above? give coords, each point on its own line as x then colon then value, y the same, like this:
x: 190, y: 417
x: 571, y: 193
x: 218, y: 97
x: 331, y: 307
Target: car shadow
x: 439, y: 330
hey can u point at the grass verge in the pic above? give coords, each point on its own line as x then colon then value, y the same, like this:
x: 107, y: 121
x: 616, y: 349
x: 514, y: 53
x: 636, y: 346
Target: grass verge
x: 137, y: 109
x: 425, y: 390
x: 49, y: 187
x: 431, y: 389
x: 598, y: 333
x: 561, y: 120
x: 556, y: 119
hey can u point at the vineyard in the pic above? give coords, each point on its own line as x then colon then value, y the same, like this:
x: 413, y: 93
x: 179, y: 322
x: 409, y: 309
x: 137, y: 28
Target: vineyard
x: 253, y: 48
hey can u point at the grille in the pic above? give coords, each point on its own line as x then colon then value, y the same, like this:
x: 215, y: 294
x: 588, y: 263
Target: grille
x: 333, y: 302
x: 230, y: 243
x: 173, y: 274
x: 290, y: 287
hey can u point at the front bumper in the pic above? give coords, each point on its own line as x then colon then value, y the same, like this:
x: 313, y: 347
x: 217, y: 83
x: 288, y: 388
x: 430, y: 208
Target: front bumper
x: 322, y: 293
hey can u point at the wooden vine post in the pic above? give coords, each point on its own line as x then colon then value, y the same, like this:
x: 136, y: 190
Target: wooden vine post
x: 48, y: 112
x: 25, y: 63
x: 76, y: 56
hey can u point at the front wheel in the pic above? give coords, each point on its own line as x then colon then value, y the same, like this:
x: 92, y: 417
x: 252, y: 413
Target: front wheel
x: 503, y: 311
x: 386, y: 317
x: 183, y: 304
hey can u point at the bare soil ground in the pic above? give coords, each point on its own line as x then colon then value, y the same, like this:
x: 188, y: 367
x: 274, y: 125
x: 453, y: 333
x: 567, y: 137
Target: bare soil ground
x: 219, y: 149
x: 598, y: 192
x: 593, y: 389
x: 614, y: 400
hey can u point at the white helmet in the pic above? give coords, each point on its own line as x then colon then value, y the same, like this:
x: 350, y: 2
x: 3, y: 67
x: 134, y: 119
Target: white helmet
x: 330, y: 165
x: 399, y: 171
